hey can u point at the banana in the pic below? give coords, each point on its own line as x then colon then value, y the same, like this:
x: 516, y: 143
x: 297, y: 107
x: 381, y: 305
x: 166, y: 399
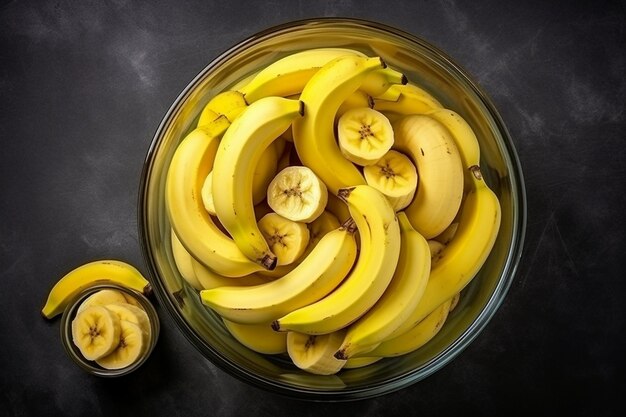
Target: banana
x: 447, y: 235
x: 238, y: 153
x: 263, y: 174
x: 209, y: 279
x: 314, y: 353
x: 462, y: 258
x: 133, y: 314
x: 357, y: 100
x: 379, y: 82
x: 436, y: 156
x: 416, y: 337
x: 317, y: 275
x: 89, y: 274
x: 318, y: 228
x: 102, y: 298
x: 258, y: 337
x: 229, y: 103
x: 297, y: 194
x: 404, y: 100
x: 287, y: 239
x: 313, y: 134
x: 289, y: 75
x: 200, y: 235
x: 380, y: 248
x: 132, y: 344
x: 361, y: 362
x: 364, y: 135
x: 183, y: 262
x: 395, y: 176
x: 399, y: 299
x: 338, y: 207
x: 96, y: 332
x: 454, y: 301
x: 464, y: 137
x: 436, y: 249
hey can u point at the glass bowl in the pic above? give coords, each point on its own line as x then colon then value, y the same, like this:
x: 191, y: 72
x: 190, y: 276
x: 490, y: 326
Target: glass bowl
x: 90, y: 366
x: 423, y: 64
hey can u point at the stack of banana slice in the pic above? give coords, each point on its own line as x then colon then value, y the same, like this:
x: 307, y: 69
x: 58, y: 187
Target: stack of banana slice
x: 330, y: 210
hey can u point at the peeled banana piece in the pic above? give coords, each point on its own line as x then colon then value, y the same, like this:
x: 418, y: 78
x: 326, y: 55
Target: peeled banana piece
x: 314, y: 353
x: 132, y: 343
x: 364, y: 135
x: 395, y: 176
x: 297, y: 194
x: 96, y: 332
x: 287, y: 239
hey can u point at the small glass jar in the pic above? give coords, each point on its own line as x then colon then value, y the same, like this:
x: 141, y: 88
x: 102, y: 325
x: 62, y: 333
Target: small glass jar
x: 91, y: 366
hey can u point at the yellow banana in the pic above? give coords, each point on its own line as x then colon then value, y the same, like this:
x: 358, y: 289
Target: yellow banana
x: 415, y: 337
x: 438, y: 162
x: 464, y: 137
x: 204, y: 240
x: 317, y: 275
x: 184, y: 262
x: 462, y: 258
x: 356, y: 100
x: 229, y: 103
x: 238, y: 153
x: 314, y: 353
x: 313, y: 134
x: 209, y: 279
x: 380, y: 81
x: 399, y: 299
x: 89, y: 274
x: 406, y: 100
x: 289, y: 75
x: 380, y: 248
x: 258, y: 337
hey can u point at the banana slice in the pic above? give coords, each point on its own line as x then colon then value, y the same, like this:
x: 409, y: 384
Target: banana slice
x: 395, y: 176
x: 133, y: 314
x: 314, y: 353
x: 258, y: 337
x: 287, y: 239
x: 364, y: 135
x: 96, y: 331
x: 297, y: 194
x: 132, y: 344
x: 102, y: 298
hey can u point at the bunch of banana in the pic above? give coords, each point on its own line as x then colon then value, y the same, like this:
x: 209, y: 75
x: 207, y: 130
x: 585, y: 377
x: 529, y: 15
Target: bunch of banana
x: 329, y: 210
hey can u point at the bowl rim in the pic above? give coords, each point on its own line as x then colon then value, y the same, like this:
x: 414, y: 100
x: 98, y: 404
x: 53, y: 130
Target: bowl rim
x: 512, y: 258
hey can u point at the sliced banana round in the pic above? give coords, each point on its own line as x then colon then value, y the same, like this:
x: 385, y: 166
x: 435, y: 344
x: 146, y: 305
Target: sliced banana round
x: 96, y: 331
x: 134, y: 314
x: 132, y: 344
x: 395, y: 176
x: 286, y: 238
x: 364, y: 135
x: 314, y: 353
x: 102, y: 298
x: 297, y: 194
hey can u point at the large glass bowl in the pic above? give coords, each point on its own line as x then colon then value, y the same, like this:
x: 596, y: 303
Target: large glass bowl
x: 423, y: 64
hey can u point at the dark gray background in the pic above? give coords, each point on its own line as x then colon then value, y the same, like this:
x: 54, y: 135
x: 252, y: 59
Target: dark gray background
x: 84, y: 85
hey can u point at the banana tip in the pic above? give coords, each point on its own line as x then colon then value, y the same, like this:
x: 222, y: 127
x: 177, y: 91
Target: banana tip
x: 275, y: 326
x: 344, y: 193
x: 269, y: 262
x: 404, y: 80
x: 341, y: 355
